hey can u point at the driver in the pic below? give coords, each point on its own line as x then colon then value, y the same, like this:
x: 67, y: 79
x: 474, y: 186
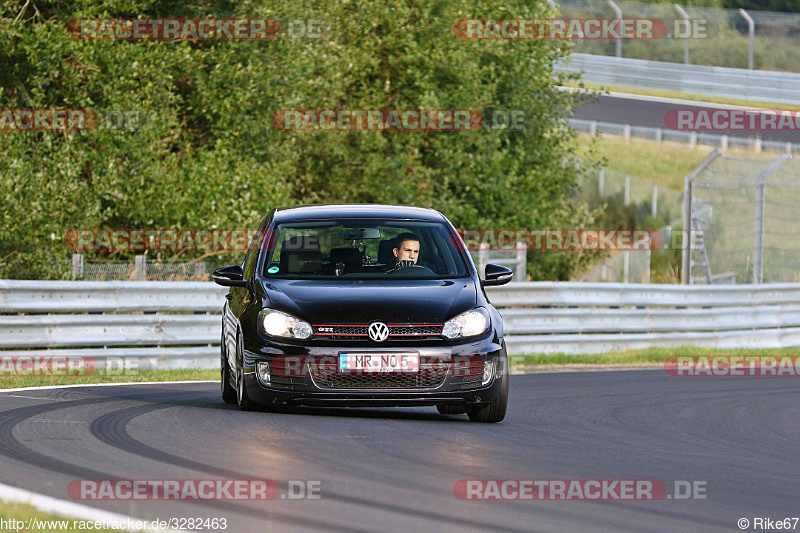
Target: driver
x: 406, y: 251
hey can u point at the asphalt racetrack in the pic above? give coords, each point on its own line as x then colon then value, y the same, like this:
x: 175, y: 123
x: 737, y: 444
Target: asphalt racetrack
x: 637, y: 112
x: 395, y: 469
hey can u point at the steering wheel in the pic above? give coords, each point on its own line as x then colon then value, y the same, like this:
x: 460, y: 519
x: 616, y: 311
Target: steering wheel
x: 416, y: 269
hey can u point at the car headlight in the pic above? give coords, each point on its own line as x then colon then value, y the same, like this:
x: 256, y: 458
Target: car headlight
x: 467, y: 324
x: 279, y: 324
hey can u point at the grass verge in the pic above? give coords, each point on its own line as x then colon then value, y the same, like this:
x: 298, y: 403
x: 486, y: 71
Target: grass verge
x: 139, y: 376
x: 649, y: 356
x: 665, y: 164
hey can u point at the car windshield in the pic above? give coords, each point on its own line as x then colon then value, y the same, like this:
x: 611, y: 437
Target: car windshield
x: 364, y: 249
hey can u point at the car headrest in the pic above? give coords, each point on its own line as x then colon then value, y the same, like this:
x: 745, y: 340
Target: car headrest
x: 385, y: 254
x: 349, y: 256
x: 300, y: 255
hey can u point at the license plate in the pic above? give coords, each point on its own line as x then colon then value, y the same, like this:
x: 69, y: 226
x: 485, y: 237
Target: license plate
x: 378, y: 363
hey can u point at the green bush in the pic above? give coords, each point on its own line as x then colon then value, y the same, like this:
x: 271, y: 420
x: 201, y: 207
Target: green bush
x: 209, y: 157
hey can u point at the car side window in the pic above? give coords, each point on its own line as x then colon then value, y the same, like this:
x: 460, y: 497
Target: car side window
x: 251, y: 259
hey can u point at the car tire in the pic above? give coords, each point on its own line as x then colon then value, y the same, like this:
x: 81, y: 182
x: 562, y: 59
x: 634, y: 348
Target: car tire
x: 451, y: 408
x: 494, y: 411
x: 244, y: 401
x: 228, y: 392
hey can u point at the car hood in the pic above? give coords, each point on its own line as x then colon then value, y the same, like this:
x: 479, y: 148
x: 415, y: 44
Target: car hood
x: 361, y: 302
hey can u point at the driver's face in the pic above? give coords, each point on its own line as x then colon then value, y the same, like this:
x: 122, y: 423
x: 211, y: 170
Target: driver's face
x: 408, y: 251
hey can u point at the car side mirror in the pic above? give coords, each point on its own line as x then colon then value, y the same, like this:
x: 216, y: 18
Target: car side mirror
x: 229, y: 276
x: 496, y: 275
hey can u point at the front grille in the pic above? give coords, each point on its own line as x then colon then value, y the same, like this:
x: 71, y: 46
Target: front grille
x: 429, y: 376
x: 396, y: 331
x: 472, y: 382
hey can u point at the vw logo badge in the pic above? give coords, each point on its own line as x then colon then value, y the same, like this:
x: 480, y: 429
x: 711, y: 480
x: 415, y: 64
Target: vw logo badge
x: 378, y: 331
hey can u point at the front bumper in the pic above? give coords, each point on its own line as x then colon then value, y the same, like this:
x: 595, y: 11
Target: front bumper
x: 456, y: 386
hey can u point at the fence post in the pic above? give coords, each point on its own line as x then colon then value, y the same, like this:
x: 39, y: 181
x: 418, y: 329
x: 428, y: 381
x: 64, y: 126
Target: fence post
x: 601, y: 181
x: 618, y: 11
x: 686, y: 256
x: 627, y: 189
x: 77, y: 266
x: 140, y: 267
x: 751, y: 34
x: 626, y: 265
x: 685, y: 16
x: 654, y: 210
x: 758, y: 244
x: 522, y: 262
x: 483, y: 259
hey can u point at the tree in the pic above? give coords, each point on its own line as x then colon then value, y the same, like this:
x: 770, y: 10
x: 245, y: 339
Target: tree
x: 208, y: 155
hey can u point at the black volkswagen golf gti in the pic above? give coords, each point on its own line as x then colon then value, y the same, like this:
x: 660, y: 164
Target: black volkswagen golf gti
x: 362, y: 305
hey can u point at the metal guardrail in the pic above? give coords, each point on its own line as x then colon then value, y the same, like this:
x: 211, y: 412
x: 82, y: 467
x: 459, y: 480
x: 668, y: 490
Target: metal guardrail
x: 572, y: 317
x: 758, y: 85
x: 158, y: 323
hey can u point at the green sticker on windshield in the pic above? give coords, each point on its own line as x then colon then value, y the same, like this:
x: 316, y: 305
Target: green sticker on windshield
x: 273, y: 270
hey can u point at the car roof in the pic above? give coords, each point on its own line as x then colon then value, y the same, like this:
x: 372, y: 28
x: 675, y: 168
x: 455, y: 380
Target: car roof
x: 310, y: 212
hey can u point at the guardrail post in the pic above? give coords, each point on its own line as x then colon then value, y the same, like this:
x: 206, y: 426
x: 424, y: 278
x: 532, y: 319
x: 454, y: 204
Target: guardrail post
x: 723, y: 143
x: 520, y: 274
x: 693, y: 139
x: 789, y: 148
x: 140, y: 268
x: 751, y: 34
x: 659, y: 134
x: 626, y: 132
x: 618, y: 11
x: 685, y: 16
x: 757, y: 145
x: 77, y: 266
x: 593, y: 128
